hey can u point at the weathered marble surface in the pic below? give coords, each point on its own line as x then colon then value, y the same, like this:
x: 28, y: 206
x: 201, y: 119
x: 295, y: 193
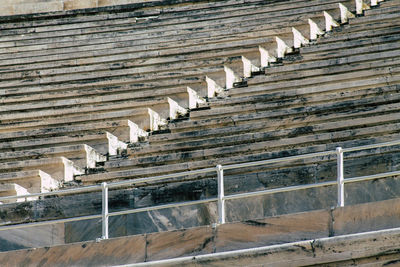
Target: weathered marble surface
x: 189, y: 242
x: 180, y: 218
x: 274, y: 230
x: 379, y: 248
x: 232, y: 236
x: 112, y: 252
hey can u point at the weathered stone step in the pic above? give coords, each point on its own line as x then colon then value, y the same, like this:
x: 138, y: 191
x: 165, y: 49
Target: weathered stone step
x: 274, y: 133
x: 115, y: 57
x: 225, y: 17
x: 136, y: 91
x: 83, y: 156
x: 75, y: 51
x: 35, y: 181
x: 290, y: 99
x: 379, y: 14
x: 119, y: 24
x: 354, y: 55
x: 60, y: 169
x: 140, y: 10
x: 291, y: 67
x: 108, y: 77
x: 13, y: 189
x: 360, y: 79
x: 268, y: 91
x: 239, y: 140
x: 102, y: 48
x: 100, y: 142
x: 343, y: 65
x: 159, y: 14
x: 84, y: 104
x: 252, y: 122
x: 361, y: 30
x: 384, y: 7
x: 103, y: 87
x: 32, y: 71
x: 251, y: 152
x: 72, y: 113
x: 62, y: 120
x: 115, y: 127
x: 370, y: 37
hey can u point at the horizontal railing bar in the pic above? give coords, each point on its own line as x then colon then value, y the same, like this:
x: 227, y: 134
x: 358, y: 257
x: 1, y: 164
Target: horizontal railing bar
x: 173, y: 205
x: 292, y: 158
x: 279, y: 190
x: 371, y: 177
x: 358, y: 148
x: 54, y: 193
x: 27, y: 225
x: 158, y: 178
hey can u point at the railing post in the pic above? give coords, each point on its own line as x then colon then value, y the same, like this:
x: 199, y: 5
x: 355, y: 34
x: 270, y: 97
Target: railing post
x: 221, y: 195
x: 340, y: 177
x: 104, y: 211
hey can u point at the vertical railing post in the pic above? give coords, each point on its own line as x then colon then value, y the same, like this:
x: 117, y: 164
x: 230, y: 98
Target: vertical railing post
x: 221, y: 195
x: 340, y: 177
x: 104, y: 211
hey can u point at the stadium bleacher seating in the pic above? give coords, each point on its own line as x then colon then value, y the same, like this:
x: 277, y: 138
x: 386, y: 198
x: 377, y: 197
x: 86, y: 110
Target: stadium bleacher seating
x: 128, y: 93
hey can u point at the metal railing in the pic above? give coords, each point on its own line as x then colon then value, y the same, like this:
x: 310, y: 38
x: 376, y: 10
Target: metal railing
x: 220, y: 199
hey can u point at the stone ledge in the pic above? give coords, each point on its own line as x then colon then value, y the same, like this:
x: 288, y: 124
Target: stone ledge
x: 376, y: 248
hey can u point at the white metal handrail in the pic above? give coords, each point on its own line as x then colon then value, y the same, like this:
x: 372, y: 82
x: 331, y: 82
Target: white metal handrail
x: 220, y: 199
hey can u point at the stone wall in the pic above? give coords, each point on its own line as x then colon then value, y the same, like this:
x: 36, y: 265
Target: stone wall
x: 19, y: 7
x: 319, y: 227
x: 255, y: 208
